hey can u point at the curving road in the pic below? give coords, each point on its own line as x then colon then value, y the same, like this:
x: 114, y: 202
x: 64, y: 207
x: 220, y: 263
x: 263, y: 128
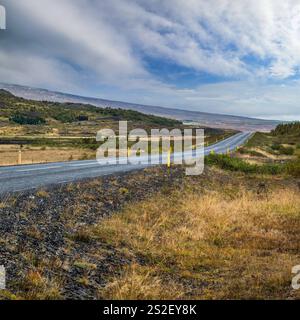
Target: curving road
x: 25, y: 177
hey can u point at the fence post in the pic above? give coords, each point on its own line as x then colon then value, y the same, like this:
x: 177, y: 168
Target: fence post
x: 20, y: 157
x: 169, y: 158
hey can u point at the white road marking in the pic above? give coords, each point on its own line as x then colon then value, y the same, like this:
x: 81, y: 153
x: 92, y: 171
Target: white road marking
x: 83, y: 164
x: 38, y: 169
x: 65, y: 181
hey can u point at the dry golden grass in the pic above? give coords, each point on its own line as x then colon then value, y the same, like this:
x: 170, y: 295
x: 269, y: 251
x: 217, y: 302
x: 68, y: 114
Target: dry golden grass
x: 225, y: 244
x: 37, y: 287
x: 141, y: 283
x: 33, y: 232
x: 10, y: 155
x: 36, y: 283
x: 42, y: 194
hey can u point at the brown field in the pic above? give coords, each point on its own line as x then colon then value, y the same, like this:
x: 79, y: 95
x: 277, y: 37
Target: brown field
x: 9, y: 155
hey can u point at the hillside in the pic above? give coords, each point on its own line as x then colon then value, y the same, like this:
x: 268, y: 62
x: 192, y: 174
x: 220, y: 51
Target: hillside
x: 24, y: 111
x: 201, y: 118
x: 25, y: 116
x: 291, y: 129
x: 279, y: 150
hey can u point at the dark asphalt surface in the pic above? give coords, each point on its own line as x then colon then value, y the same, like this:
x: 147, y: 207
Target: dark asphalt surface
x: 26, y: 177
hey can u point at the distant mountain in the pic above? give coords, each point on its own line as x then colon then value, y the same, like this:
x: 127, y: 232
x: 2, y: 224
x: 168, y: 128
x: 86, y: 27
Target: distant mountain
x: 202, y: 118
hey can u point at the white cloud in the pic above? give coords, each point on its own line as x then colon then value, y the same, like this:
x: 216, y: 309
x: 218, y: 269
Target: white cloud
x: 250, y: 98
x: 218, y: 36
x: 74, y: 45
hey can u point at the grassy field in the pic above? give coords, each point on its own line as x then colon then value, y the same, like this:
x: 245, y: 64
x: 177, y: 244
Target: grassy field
x: 272, y: 147
x: 227, y: 244
x: 9, y: 154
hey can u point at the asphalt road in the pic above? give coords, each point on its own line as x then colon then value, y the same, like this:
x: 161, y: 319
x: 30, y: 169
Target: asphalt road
x: 26, y: 177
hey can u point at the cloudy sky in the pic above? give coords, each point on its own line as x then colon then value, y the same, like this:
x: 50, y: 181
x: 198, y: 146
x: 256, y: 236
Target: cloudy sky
x: 235, y: 57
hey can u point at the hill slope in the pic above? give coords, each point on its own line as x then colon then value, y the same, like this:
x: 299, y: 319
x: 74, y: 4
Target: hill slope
x: 15, y: 109
x: 204, y: 119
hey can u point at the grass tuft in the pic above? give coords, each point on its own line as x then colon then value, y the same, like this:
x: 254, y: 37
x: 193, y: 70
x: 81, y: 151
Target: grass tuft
x: 141, y: 283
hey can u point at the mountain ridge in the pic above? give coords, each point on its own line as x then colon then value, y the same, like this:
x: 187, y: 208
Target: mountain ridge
x: 203, y: 118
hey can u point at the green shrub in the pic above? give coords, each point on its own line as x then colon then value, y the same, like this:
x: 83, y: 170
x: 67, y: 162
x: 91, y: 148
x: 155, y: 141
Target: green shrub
x: 293, y: 168
x: 275, y: 146
x: 292, y: 128
x: 252, y: 153
x: 289, y: 151
x: 30, y: 118
x: 234, y: 164
x: 65, y: 117
x: 82, y: 117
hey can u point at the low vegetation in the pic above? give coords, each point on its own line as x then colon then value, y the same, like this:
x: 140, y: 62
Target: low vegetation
x: 235, y: 164
x: 253, y: 153
x: 293, y: 168
x: 31, y: 118
x: 277, y: 152
x: 211, y: 245
x: 276, y: 140
x: 23, y: 111
x: 282, y: 150
x: 287, y: 129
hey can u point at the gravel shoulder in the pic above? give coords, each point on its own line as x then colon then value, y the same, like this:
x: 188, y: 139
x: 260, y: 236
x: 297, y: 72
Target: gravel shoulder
x: 39, y: 234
